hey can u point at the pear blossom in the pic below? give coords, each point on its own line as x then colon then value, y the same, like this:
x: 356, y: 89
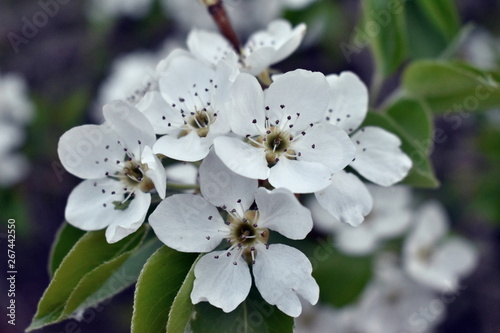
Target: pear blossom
x: 263, y: 49
x: 190, y: 106
x: 191, y: 223
x: 16, y: 111
x: 432, y: 259
x: 390, y: 217
x: 281, y: 138
x: 379, y: 157
x: 120, y: 171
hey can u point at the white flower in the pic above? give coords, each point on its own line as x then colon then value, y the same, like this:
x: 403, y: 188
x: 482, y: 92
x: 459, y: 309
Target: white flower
x: 190, y: 105
x: 432, y: 259
x: 280, y: 137
x: 191, y: 223
x: 390, y: 217
x: 16, y: 110
x: 120, y: 170
x: 378, y: 154
x: 263, y: 49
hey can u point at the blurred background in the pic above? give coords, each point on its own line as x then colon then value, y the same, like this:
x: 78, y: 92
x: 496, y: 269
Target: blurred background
x: 57, y: 69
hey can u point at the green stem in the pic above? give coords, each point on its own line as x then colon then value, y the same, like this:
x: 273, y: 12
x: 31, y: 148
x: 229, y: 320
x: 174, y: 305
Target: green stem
x: 173, y: 186
x: 375, y: 86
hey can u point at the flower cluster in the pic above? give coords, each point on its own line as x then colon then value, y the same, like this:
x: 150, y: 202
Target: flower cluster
x: 259, y: 142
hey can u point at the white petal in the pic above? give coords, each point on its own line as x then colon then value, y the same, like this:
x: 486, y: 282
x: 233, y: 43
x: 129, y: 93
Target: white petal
x: 164, y: 118
x: 258, y: 60
x: 356, y: 240
x: 348, y: 101
x: 392, y: 212
x: 242, y: 158
x: 156, y: 171
x: 288, y: 39
x: 220, y: 281
x: 188, y: 223
x: 209, y: 46
x: 282, y: 273
x: 247, y: 106
x: 131, y: 126
x: 91, y: 206
x: 456, y: 257
x: 326, y: 144
x: 90, y: 151
x: 346, y: 198
x: 223, y: 187
x: 379, y: 157
x: 297, y: 92
x: 268, y: 47
x: 281, y: 211
x: 431, y: 224
x: 182, y: 173
x: 300, y: 176
x: 189, y: 148
x: 121, y: 228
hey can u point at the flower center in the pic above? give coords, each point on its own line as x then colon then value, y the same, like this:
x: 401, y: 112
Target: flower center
x: 134, y: 175
x: 276, y: 143
x: 200, y: 122
x: 245, y: 232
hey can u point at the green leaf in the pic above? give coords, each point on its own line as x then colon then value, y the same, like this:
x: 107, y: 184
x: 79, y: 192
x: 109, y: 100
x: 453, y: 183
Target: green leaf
x: 254, y: 315
x: 411, y: 121
x: 383, y: 28
x: 430, y: 25
x: 66, y: 237
x: 159, y: 282
x: 181, y: 309
x: 452, y: 87
x: 341, y: 278
x: 110, y: 278
x: 89, y: 252
x: 443, y: 14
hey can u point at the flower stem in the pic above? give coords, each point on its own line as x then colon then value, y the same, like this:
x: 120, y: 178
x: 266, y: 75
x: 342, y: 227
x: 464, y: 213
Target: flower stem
x: 174, y: 186
x: 219, y: 15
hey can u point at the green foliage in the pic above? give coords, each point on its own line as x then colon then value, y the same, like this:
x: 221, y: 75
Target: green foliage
x: 66, y: 237
x: 341, y: 278
x: 254, y: 315
x: 411, y: 121
x: 454, y: 88
x: 182, y: 308
x: 92, y: 271
x: 401, y: 29
x: 160, y: 280
x: 431, y: 25
x: 383, y: 27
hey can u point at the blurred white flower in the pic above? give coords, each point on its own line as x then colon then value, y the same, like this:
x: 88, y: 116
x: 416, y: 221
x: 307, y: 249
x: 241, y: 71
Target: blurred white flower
x: 131, y: 76
x: 191, y: 223
x: 105, y: 9
x: 433, y: 259
x: 482, y: 49
x: 263, y: 49
x: 379, y: 157
x: 119, y: 168
x: 280, y: 137
x: 390, y: 217
x: 16, y: 111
